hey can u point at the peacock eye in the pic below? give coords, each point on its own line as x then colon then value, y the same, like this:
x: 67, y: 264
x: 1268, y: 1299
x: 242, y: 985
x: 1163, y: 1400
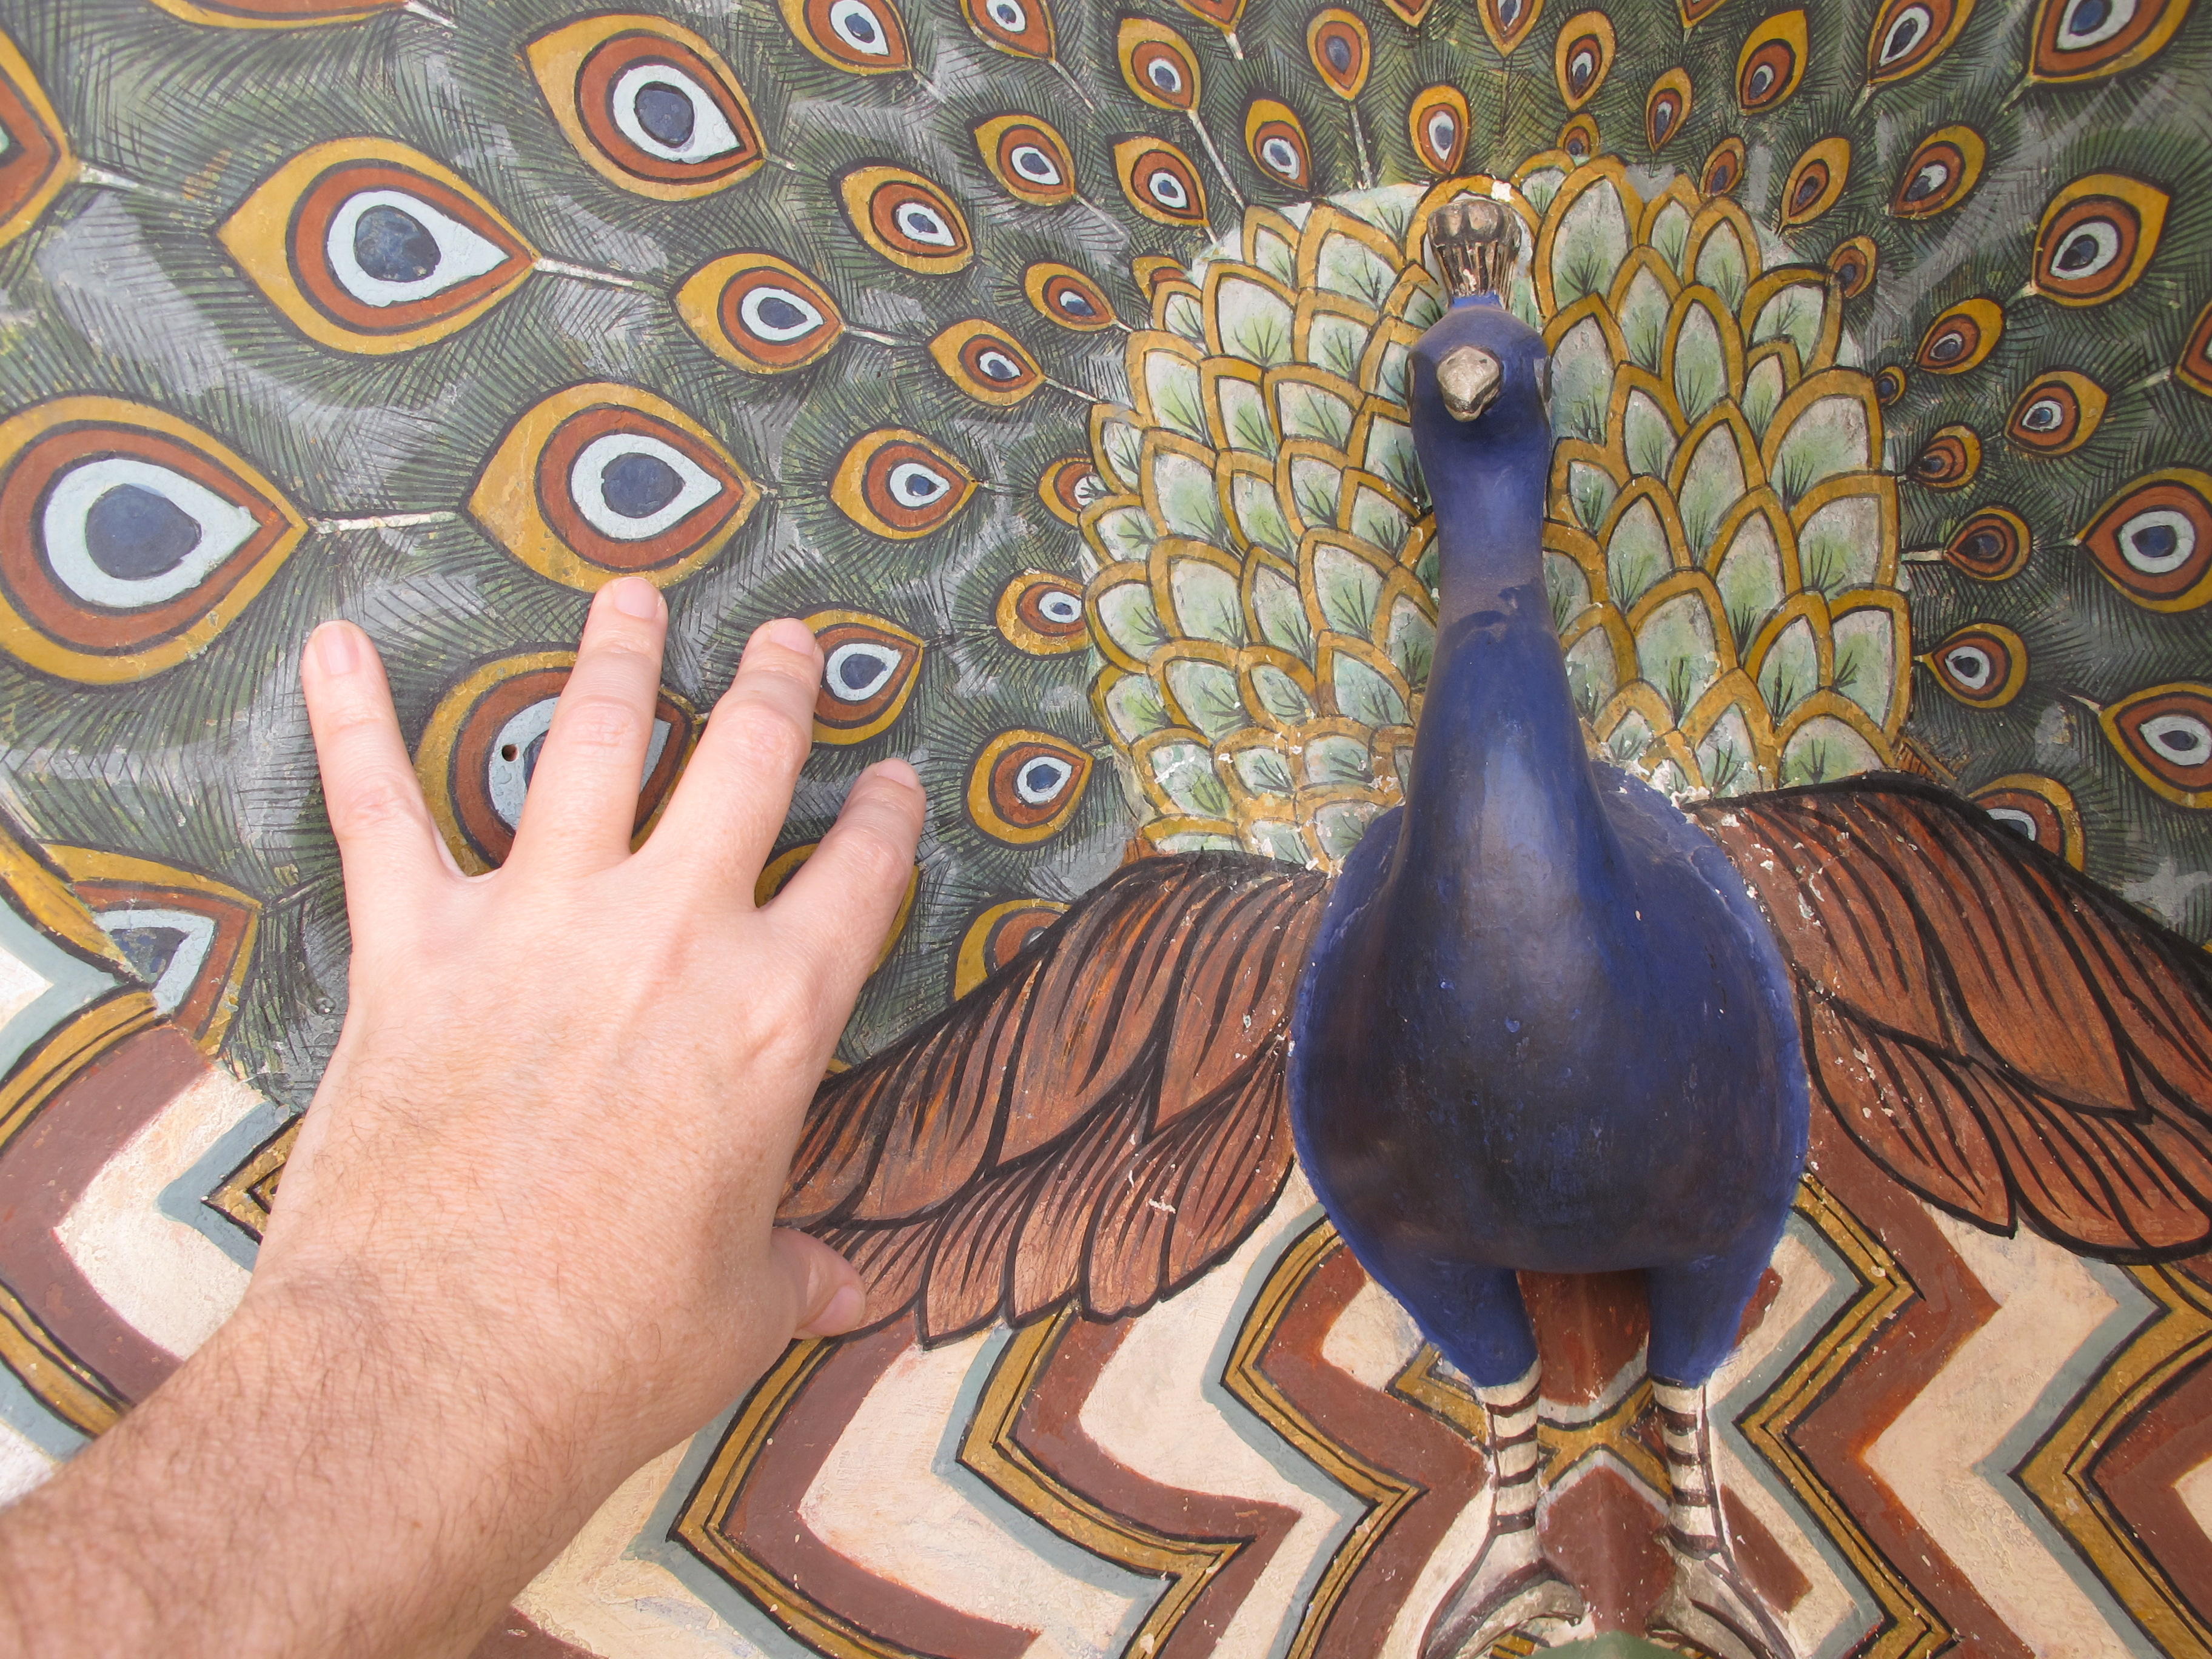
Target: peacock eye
x: 1815, y: 181
x: 1982, y: 665
x: 1991, y: 546
x: 1023, y: 27
x: 1159, y: 181
x: 1583, y: 56
x: 897, y: 483
x: 2096, y: 237
x: 2083, y: 24
x: 1337, y: 44
x: 1438, y: 124
x: 1908, y: 35
x: 1950, y: 458
x: 2182, y: 739
x: 1724, y: 169
x: 651, y: 106
x: 1665, y: 105
x: 1069, y: 486
x: 869, y: 671
x: 1907, y: 30
x: 371, y: 248
x: 1277, y: 140
x: 2043, y: 415
x: 985, y: 363
x: 1028, y: 158
x: 759, y: 314
x: 34, y: 154
x: 1009, y: 16
x: 2154, y: 541
x: 2057, y: 413
x: 1961, y: 337
x: 2164, y: 733
x: 1772, y: 62
x: 480, y: 751
x: 1157, y: 63
x: 601, y: 481
x: 1025, y: 786
x: 128, y: 539
x: 907, y: 219
x: 1034, y: 165
x: 1043, y: 614
x: 1853, y: 264
x: 1068, y: 297
x: 862, y: 37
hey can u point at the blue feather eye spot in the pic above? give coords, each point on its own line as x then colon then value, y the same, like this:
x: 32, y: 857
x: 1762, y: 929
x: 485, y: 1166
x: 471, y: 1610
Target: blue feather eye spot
x: 907, y: 219
x: 1907, y: 30
x: 127, y: 538
x: 1582, y: 56
x: 916, y: 484
x: 2096, y: 238
x: 1982, y: 665
x: 1275, y: 139
x: 2164, y: 733
x: 1908, y: 35
x: 1064, y: 295
x: 1029, y: 159
x: 1043, y: 614
x: 1991, y: 546
x: 1665, y: 107
x: 2154, y: 540
x: 861, y: 37
x: 1025, y: 786
x: 870, y: 666
x: 1771, y: 64
x: 650, y: 106
x: 2185, y: 740
x: 480, y: 752
x: 2086, y: 24
x: 759, y: 314
x: 1337, y: 44
x: 1023, y: 27
x: 2085, y: 39
x: 989, y: 365
x: 897, y: 483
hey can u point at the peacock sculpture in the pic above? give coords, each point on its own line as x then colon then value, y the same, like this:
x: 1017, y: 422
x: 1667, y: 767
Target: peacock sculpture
x: 1512, y: 616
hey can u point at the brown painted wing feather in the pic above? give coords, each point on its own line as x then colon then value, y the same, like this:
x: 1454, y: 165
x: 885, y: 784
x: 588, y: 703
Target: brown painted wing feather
x: 1103, y: 1118
x: 2007, y: 1038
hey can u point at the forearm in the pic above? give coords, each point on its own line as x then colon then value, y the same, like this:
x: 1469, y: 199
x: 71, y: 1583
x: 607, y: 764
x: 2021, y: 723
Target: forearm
x: 297, y: 1488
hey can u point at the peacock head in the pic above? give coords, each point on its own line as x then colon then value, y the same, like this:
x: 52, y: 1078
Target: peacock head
x: 1490, y: 371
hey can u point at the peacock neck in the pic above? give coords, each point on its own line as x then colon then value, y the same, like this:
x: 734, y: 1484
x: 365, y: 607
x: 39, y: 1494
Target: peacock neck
x: 1502, y: 814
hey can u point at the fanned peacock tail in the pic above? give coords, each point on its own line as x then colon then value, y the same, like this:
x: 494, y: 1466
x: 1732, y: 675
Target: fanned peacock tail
x: 1051, y: 361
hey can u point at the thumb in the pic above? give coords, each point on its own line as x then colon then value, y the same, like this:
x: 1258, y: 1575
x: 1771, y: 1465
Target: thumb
x: 826, y: 1295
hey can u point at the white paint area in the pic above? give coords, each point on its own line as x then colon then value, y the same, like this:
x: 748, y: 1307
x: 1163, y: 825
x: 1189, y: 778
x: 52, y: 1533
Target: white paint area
x: 879, y: 1502
x: 598, y: 1596
x: 1374, y: 1339
x: 166, y: 1278
x: 23, y: 1463
x: 2048, y: 1305
x: 21, y: 985
x: 1149, y: 1412
x: 2195, y: 1491
x: 1828, y: 1601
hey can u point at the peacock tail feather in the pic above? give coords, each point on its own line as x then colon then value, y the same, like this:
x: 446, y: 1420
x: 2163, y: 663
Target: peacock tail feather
x: 1050, y: 361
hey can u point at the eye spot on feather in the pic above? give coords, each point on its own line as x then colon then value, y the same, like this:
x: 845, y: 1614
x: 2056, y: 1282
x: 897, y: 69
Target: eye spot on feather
x: 1961, y: 337
x: 1940, y: 173
x: 1578, y: 138
x: 2096, y: 237
x: 997, y: 936
x: 1582, y: 56
x: 861, y: 37
x: 988, y: 365
x: 2164, y: 734
x: 129, y: 538
x: 605, y: 480
x: 1815, y: 182
x: 1723, y: 168
x: 1982, y: 665
x: 1991, y: 546
x: 907, y: 219
x: 1024, y: 28
x: 35, y: 162
x: 1028, y: 157
x: 1772, y: 64
x: 2154, y: 540
x: 1025, y: 786
x: 897, y: 483
x: 1276, y: 140
x: 870, y: 668
x: 480, y: 751
x: 1853, y: 263
x: 1159, y: 181
x: 1908, y: 35
x: 2085, y: 39
x: 1665, y: 107
x: 1158, y: 65
x: 1889, y: 385
x: 1063, y: 294
x: 1338, y: 45
x: 2056, y: 413
x: 759, y: 314
x: 1949, y: 459
x: 2037, y: 808
x: 370, y: 247
x: 1043, y: 614
x: 1507, y: 23
x: 650, y: 106
x: 1438, y: 124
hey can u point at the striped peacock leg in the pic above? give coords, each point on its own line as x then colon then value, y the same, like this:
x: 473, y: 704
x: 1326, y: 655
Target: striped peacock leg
x: 1709, y: 1602
x: 1510, y: 1587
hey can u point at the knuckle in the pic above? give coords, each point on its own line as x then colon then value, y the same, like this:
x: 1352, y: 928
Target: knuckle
x: 597, y: 722
x: 760, y: 734
x: 372, y: 801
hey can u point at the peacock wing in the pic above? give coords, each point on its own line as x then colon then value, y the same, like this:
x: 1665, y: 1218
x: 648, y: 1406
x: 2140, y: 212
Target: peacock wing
x: 2003, y: 1035
x: 1103, y: 1117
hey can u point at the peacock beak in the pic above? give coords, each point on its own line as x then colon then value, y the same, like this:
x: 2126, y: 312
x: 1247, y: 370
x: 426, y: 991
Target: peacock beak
x: 1469, y: 378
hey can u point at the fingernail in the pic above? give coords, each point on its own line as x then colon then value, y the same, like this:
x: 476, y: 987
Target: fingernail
x: 634, y: 596
x: 336, y: 648
x: 843, y: 1312
x: 788, y: 632
x: 894, y: 771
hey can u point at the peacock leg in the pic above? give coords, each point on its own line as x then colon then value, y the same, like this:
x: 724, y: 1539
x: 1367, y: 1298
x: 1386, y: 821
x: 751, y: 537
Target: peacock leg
x: 1510, y: 1587
x: 1708, y: 1602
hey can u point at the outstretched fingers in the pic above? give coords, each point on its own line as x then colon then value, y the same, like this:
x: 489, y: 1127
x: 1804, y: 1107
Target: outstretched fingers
x: 387, y: 839
x: 581, y: 808
x: 737, y: 790
x: 841, y: 905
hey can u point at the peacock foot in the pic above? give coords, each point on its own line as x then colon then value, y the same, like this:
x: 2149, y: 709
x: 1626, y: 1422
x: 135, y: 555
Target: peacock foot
x: 1511, y: 1590
x: 1709, y: 1603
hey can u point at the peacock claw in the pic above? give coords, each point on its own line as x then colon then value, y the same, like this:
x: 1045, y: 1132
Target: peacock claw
x: 1708, y: 1604
x: 1498, y: 1598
